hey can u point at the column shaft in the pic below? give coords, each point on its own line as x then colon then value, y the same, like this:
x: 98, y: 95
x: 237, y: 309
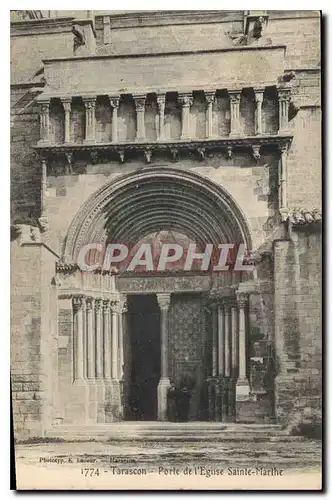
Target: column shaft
x: 283, y: 177
x: 214, y: 340
x: 107, y: 340
x: 284, y: 99
x: 90, y: 125
x: 99, y: 340
x: 186, y: 101
x: 115, y: 334
x: 161, y: 108
x: 114, y: 102
x: 235, y: 353
x: 66, y: 103
x: 227, y: 341
x: 235, y: 97
x: 259, y: 93
x: 140, y: 112
x: 44, y: 121
x: 210, y: 96
x: 164, y: 383
x: 242, y: 386
x: 78, y: 338
x: 221, y: 341
x: 90, y: 340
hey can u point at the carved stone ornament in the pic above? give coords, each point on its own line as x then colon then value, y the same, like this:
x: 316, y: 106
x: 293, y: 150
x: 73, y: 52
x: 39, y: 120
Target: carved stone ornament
x: 94, y: 157
x: 256, y: 152
x: 229, y: 152
x: 68, y: 168
x: 114, y: 102
x: 43, y: 224
x: 258, y: 28
x: 147, y: 155
x: 79, y: 37
x: 164, y: 300
x: 98, y: 304
x: 210, y: 97
x: 139, y: 103
x: 242, y: 299
x: 121, y: 155
x: 174, y: 153
x: 78, y: 301
x: 185, y: 100
x: 201, y: 153
x: 300, y: 216
x: 161, y: 99
x: 106, y: 305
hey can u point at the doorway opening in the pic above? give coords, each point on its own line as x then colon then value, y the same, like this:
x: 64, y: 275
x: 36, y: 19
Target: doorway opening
x: 144, y: 372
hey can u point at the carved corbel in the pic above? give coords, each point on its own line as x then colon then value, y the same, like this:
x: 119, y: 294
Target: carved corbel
x: 121, y: 154
x: 69, y: 168
x: 256, y: 151
x: 229, y: 152
x: 201, y: 153
x: 94, y: 157
x: 174, y: 153
x: 147, y: 155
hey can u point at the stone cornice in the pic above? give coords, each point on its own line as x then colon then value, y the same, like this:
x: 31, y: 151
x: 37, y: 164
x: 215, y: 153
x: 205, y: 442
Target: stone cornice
x: 43, y: 26
x: 240, y: 48
x: 300, y: 216
x: 178, y: 146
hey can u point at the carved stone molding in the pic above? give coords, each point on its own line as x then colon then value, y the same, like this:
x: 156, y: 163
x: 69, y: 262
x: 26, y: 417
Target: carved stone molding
x: 300, y: 216
x: 78, y: 302
x: 164, y: 300
x: 186, y: 100
x: 139, y: 102
x: 242, y: 299
x: 114, y: 101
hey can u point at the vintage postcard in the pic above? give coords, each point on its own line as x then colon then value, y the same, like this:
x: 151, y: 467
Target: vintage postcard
x: 166, y: 249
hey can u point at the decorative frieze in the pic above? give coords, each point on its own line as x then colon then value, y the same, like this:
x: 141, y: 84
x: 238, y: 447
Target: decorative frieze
x: 301, y: 216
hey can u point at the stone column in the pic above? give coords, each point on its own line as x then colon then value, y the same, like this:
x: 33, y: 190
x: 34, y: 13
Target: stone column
x: 107, y: 340
x: 164, y: 383
x: 78, y: 302
x: 235, y: 98
x: 186, y: 101
x: 284, y: 95
x: 214, y: 339
x: 235, y: 347
x: 242, y: 385
x: 115, y: 336
x: 114, y: 102
x: 209, y: 96
x: 99, y: 339
x: 91, y: 367
x: 90, y: 120
x: 221, y: 341
x: 122, y: 320
x: 259, y: 94
x: 161, y: 98
x: 44, y: 121
x: 66, y: 103
x: 227, y: 313
x: 140, y: 111
x: 283, y: 176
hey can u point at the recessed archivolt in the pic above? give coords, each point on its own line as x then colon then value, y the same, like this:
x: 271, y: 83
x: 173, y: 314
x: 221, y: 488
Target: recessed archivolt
x: 130, y: 207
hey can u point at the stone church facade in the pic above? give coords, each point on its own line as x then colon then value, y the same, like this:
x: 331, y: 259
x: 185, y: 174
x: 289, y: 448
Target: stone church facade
x: 127, y: 126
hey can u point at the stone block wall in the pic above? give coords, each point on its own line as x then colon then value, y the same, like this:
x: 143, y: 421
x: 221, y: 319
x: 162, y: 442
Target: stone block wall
x: 32, y: 337
x: 298, y: 327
